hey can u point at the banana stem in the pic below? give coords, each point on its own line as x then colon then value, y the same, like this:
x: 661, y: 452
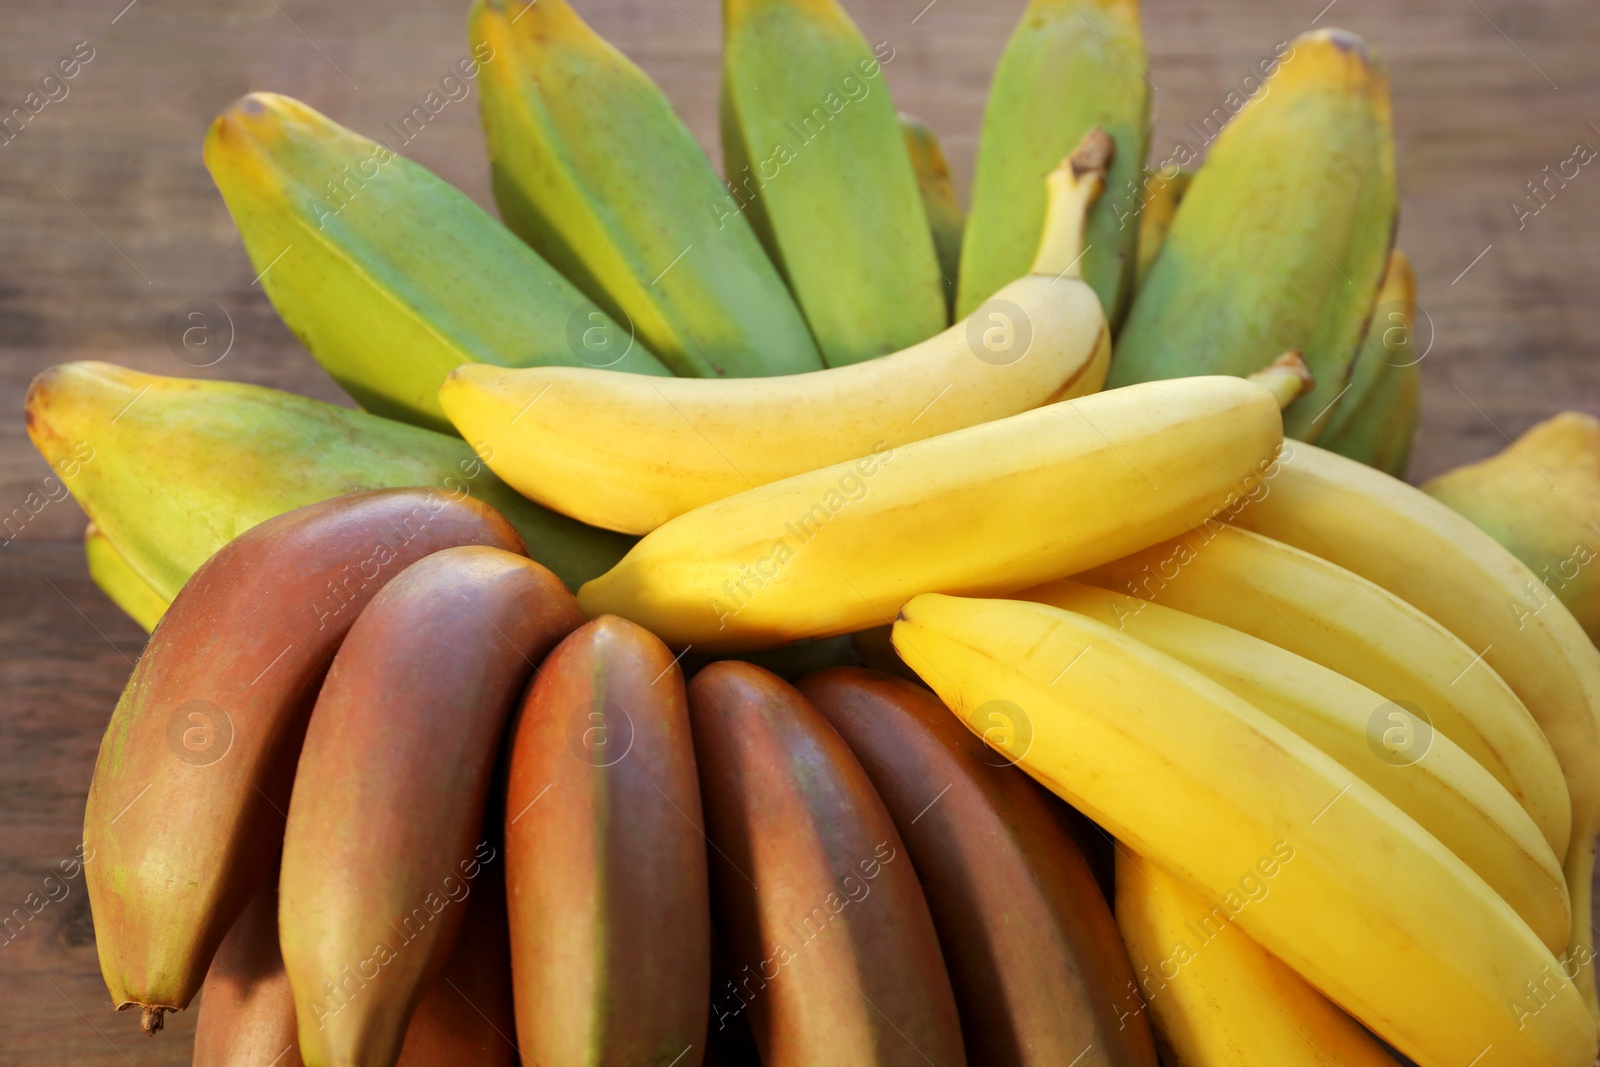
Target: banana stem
x: 1072, y: 189
x: 1286, y: 378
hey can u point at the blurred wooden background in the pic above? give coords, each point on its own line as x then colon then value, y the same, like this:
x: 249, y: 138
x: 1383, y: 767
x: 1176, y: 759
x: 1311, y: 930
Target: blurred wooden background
x: 108, y: 222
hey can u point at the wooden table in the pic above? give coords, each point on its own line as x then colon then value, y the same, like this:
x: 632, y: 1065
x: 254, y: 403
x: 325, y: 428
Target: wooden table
x: 110, y: 222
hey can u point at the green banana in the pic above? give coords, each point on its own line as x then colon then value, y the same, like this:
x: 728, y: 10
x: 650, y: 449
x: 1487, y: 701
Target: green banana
x: 594, y: 170
x: 1070, y: 65
x: 385, y: 271
x: 1163, y: 192
x: 1282, y: 238
x: 118, y: 581
x: 1375, y: 422
x: 946, y: 219
x: 814, y: 154
x: 179, y: 467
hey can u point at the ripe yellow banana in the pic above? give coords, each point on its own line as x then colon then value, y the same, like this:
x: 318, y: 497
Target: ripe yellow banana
x: 1428, y: 555
x: 619, y: 452
x: 985, y: 510
x: 1425, y: 774
x: 1331, y: 616
x: 1217, y: 997
x: 1322, y: 872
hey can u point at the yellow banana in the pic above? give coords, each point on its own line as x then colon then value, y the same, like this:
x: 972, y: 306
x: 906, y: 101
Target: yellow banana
x: 1321, y: 871
x: 629, y: 456
x: 1217, y: 997
x: 121, y: 582
x: 1424, y: 773
x: 946, y: 220
x: 1330, y: 616
x: 986, y: 510
x: 1426, y: 554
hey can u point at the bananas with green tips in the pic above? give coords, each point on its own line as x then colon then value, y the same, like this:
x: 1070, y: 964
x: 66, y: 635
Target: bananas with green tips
x: 1437, y: 560
x: 946, y: 219
x: 385, y: 271
x: 1376, y: 420
x: 1426, y: 775
x: 1229, y: 1001
x: 1070, y: 65
x: 594, y: 170
x: 630, y: 453
x: 118, y: 581
x: 809, y: 134
x: 1365, y: 905
x: 1282, y: 237
x: 985, y: 510
x: 1332, y: 616
x: 178, y: 467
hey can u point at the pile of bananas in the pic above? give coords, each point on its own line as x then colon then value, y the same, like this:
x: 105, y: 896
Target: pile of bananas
x: 1010, y: 691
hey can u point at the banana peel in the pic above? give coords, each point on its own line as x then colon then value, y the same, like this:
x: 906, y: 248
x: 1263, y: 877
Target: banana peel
x: 595, y: 171
x: 118, y: 581
x: 172, y: 469
x: 1282, y: 238
x: 1375, y: 422
x: 1070, y: 65
x: 385, y: 271
x: 814, y: 156
x: 946, y: 219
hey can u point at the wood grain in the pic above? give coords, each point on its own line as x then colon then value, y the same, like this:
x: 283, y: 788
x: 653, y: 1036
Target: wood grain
x: 111, y: 223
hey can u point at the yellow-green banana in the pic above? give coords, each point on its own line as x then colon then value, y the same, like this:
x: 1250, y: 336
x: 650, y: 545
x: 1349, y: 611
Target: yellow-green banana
x: 1163, y: 192
x: 1282, y: 237
x: 592, y: 167
x: 1070, y: 65
x: 1321, y: 871
x: 985, y: 510
x: 1376, y: 419
x: 1428, y: 555
x: 946, y: 219
x: 1217, y: 997
x: 385, y: 271
x: 1332, y: 616
x: 1427, y: 775
x: 178, y: 467
x: 118, y: 581
x: 630, y: 453
x: 813, y: 154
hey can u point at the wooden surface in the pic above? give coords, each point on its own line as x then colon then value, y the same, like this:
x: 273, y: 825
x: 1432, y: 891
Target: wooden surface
x: 108, y: 222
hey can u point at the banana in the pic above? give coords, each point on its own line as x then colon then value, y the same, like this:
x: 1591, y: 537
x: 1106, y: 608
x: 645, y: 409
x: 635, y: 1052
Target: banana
x: 385, y: 271
x: 629, y: 453
x: 835, y: 958
x: 593, y: 169
x: 1282, y: 238
x: 946, y: 219
x: 172, y: 469
x: 1376, y: 419
x: 1039, y: 972
x: 387, y: 814
x: 1163, y: 192
x: 1438, y: 561
x: 1070, y: 65
x: 989, y: 509
x: 1331, y: 616
x: 118, y: 581
x: 606, y: 857
x: 1426, y: 775
x: 1321, y: 871
x: 1227, y: 1000
x: 813, y: 154
x: 247, y: 1011
x: 1287, y: 378
x: 185, y: 808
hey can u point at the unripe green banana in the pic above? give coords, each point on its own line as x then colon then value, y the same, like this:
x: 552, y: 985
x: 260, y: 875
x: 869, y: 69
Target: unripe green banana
x: 594, y: 170
x: 172, y: 469
x: 385, y: 271
x: 813, y: 153
x: 1163, y: 192
x: 1282, y: 238
x: 1375, y: 422
x: 118, y: 581
x: 1070, y: 65
x: 946, y: 219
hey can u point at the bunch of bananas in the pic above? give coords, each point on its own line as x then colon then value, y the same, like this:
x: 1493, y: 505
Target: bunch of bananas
x: 779, y: 618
